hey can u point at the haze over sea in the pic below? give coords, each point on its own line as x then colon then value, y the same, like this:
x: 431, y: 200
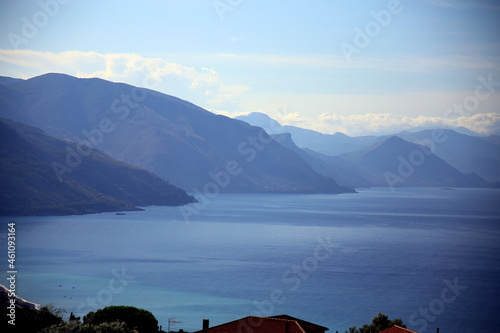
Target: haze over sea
x: 429, y: 256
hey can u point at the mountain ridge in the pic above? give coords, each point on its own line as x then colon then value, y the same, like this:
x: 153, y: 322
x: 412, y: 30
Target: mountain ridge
x: 172, y: 138
x: 466, y: 153
x: 397, y: 162
x: 327, y: 144
x: 30, y: 184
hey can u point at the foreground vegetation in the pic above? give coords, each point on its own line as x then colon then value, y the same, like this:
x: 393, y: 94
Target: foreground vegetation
x: 379, y: 322
x: 111, y: 319
x: 123, y: 319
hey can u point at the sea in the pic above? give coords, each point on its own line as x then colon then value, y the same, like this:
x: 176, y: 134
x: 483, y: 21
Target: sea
x: 430, y: 256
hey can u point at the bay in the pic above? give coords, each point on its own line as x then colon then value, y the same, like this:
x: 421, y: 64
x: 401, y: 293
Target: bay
x: 429, y: 256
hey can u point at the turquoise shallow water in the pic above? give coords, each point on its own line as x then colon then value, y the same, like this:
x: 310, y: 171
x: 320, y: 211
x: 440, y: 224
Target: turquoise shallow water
x: 335, y: 260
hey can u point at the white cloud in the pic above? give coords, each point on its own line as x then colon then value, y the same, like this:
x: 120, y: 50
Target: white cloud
x: 482, y: 123
x: 379, y: 123
x: 328, y: 113
x: 399, y: 63
x: 198, y: 85
x: 229, y: 114
x: 385, y: 123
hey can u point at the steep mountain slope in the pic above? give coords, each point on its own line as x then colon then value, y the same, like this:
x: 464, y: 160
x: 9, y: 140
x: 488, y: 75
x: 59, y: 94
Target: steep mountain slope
x: 343, y: 171
x: 36, y: 180
x: 464, y: 152
x: 183, y: 143
x: 396, y: 162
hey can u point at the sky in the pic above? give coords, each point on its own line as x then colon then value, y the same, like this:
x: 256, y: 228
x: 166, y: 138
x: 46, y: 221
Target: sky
x: 357, y: 67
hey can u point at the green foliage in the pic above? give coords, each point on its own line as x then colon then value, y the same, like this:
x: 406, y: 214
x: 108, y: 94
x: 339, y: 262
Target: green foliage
x: 379, y: 322
x: 77, y: 327
x: 31, y: 320
x: 72, y: 317
x: 141, y: 320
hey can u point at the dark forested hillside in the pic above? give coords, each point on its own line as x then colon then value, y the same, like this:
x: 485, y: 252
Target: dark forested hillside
x: 37, y: 180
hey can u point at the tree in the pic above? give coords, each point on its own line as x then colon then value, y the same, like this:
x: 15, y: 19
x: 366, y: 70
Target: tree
x: 135, y: 318
x: 77, y: 327
x: 379, y: 322
x: 72, y: 317
x: 29, y: 320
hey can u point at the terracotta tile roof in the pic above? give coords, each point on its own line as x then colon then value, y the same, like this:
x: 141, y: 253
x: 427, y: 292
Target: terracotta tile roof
x: 397, y: 329
x: 255, y: 324
x: 307, y: 326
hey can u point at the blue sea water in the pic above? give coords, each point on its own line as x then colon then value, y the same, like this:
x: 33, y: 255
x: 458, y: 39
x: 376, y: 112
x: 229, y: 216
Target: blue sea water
x: 428, y: 256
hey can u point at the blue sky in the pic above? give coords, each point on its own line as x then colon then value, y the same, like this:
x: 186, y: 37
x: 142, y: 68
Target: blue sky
x: 360, y: 67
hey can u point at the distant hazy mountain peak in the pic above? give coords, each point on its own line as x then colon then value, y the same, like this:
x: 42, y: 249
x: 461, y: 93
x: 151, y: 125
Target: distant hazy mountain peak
x: 394, y: 139
x: 390, y: 142
x: 341, y: 135
x: 263, y: 120
x: 54, y: 76
x: 257, y: 115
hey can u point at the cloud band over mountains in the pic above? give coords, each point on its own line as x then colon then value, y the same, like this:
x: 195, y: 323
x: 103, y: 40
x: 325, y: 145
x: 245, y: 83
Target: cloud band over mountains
x: 383, y: 123
x: 206, y: 87
x: 153, y: 73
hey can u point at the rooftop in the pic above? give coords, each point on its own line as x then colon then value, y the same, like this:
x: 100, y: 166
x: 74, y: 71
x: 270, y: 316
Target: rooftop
x: 397, y: 329
x: 276, y: 324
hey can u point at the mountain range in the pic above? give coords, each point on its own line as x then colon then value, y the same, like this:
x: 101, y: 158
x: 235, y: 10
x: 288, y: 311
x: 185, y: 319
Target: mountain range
x: 466, y: 153
x: 190, y: 147
x: 83, y: 145
x: 343, y: 157
x: 328, y: 144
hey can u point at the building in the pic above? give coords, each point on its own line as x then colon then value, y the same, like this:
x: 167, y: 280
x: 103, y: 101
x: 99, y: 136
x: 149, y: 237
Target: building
x: 397, y: 329
x: 274, y: 324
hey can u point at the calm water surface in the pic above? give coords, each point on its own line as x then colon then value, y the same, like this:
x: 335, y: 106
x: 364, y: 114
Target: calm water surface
x: 428, y: 256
